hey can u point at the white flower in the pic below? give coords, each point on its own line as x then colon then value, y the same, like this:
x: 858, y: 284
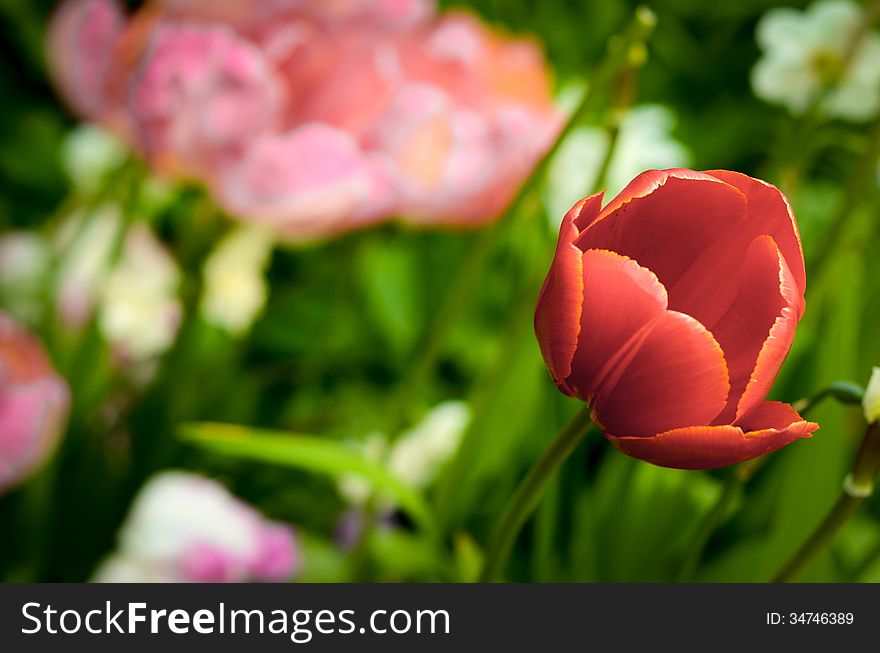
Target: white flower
x: 130, y: 279
x: 416, y: 456
x: 805, y: 51
x: 419, y: 453
x: 871, y: 398
x: 235, y: 288
x: 643, y: 142
x: 89, y: 154
x: 140, y: 311
x: 119, y: 568
x: 183, y: 527
x: 84, y: 245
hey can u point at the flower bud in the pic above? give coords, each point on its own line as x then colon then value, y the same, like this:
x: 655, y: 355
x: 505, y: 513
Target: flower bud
x: 871, y: 398
x: 671, y: 310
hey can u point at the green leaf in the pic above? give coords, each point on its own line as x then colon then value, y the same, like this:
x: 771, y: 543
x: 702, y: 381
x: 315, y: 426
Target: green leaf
x: 315, y: 454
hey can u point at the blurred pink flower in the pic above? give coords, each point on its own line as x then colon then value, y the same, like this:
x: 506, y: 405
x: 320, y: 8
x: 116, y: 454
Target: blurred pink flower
x: 200, y: 95
x: 339, y: 187
x: 316, y: 117
x: 82, y: 39
x: 186, y: 528
x: 443, y: 154
x: 34, y: 403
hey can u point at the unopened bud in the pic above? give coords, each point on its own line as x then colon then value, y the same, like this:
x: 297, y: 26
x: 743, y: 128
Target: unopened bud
x: 871, y: 399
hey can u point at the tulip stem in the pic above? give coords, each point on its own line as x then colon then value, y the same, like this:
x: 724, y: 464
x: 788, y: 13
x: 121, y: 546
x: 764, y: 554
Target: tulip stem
x: 529, y: 491
x: 844, y: 391
x: 858, y: 486
x: 452, y: 305
x: 625, y: 53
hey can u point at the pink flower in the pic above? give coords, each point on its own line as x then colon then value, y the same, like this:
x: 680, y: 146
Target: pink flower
x: 200, y: 96
x: 462, y: 148
x: 338, y: 188
x: 82, y: 40
x: 442, y: 154
x: 435, y: 120
x: 34, y: 403
x: 186, y: 528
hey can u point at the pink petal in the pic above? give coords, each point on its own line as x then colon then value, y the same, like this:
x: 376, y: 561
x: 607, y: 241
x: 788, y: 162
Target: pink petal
x: 82, y: 38
x: 34, y: 403
x: 309, y: 183
x: 706, y: 447
x: 200, y: 96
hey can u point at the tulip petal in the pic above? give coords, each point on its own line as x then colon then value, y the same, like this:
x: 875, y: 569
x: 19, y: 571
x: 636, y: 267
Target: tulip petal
x: 342, y: 188
x: 770, y: 213
x: 747, y: 325
x: 776, y: 346
x: 82, y: 39
x: 557, y: 315
x: 666, y: 221
x: 671, y: 374
x: 772, y: 426
x: 646, y: 183
x: 620, y: 297
x: 775, y: 416
x: 31, y: 419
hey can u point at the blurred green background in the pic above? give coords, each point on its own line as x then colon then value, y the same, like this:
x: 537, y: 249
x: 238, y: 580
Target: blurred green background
x: 334, y: 352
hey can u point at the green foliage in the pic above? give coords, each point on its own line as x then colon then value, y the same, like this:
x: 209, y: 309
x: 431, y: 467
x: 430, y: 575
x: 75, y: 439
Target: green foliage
x: 346, y: 321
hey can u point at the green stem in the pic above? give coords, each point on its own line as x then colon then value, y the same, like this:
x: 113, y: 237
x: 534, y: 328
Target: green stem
x: 820, y: 539
x: 714, y: 518
x: 743, y: 473
x: 857, y: 488
x: 625, y: 53
x: 526, y: 497
x: 613, y: 132
x: 453, y: 304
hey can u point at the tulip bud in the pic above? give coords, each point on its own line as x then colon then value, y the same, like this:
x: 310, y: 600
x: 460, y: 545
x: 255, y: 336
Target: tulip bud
x: 34, y: 403
x: 671, y: 310
x: 871, y: 398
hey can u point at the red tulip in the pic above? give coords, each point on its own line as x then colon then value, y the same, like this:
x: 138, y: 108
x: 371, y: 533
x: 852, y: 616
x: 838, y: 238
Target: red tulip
x: 671, y: 310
